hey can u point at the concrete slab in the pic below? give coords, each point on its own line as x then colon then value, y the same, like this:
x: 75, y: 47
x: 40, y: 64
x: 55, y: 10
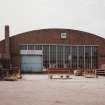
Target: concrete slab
x: 39, y: 90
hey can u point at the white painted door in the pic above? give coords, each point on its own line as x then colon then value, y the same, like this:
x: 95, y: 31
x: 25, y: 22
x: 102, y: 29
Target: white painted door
x: 31, y: 63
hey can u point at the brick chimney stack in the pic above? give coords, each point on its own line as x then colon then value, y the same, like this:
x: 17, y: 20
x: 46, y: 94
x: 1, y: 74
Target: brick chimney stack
x: 7, y: 42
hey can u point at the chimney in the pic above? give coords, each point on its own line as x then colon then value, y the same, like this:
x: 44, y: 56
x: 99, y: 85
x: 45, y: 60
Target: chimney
x: 7, y: 42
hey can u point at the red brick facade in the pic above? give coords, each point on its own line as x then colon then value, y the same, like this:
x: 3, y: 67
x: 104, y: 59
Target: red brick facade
x: 52, y: 36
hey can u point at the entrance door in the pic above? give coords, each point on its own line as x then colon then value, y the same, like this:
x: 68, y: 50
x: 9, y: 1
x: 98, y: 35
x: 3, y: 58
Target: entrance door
x: 30, y: 63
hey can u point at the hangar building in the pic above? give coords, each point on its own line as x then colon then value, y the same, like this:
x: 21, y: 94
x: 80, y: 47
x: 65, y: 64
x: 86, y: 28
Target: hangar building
x: 53, y: 48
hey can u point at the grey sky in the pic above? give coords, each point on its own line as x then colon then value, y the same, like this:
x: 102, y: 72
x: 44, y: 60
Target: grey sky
x: 26, y: 15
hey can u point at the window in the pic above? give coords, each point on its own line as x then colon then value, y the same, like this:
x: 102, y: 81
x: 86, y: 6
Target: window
x: 63, y: 35
x: 30, y: 47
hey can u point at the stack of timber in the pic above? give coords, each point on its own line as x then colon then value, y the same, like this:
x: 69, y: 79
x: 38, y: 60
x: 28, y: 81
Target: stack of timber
x: 100, y: 72
x: 58, y: 73
x: 90, y: 73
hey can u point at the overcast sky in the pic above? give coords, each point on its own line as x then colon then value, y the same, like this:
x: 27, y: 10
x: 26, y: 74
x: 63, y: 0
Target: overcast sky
x: 26, y: 15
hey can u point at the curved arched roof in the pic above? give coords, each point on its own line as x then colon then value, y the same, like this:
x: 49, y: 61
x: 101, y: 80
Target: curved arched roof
x: 53, y: 36
x: 55, y: 29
